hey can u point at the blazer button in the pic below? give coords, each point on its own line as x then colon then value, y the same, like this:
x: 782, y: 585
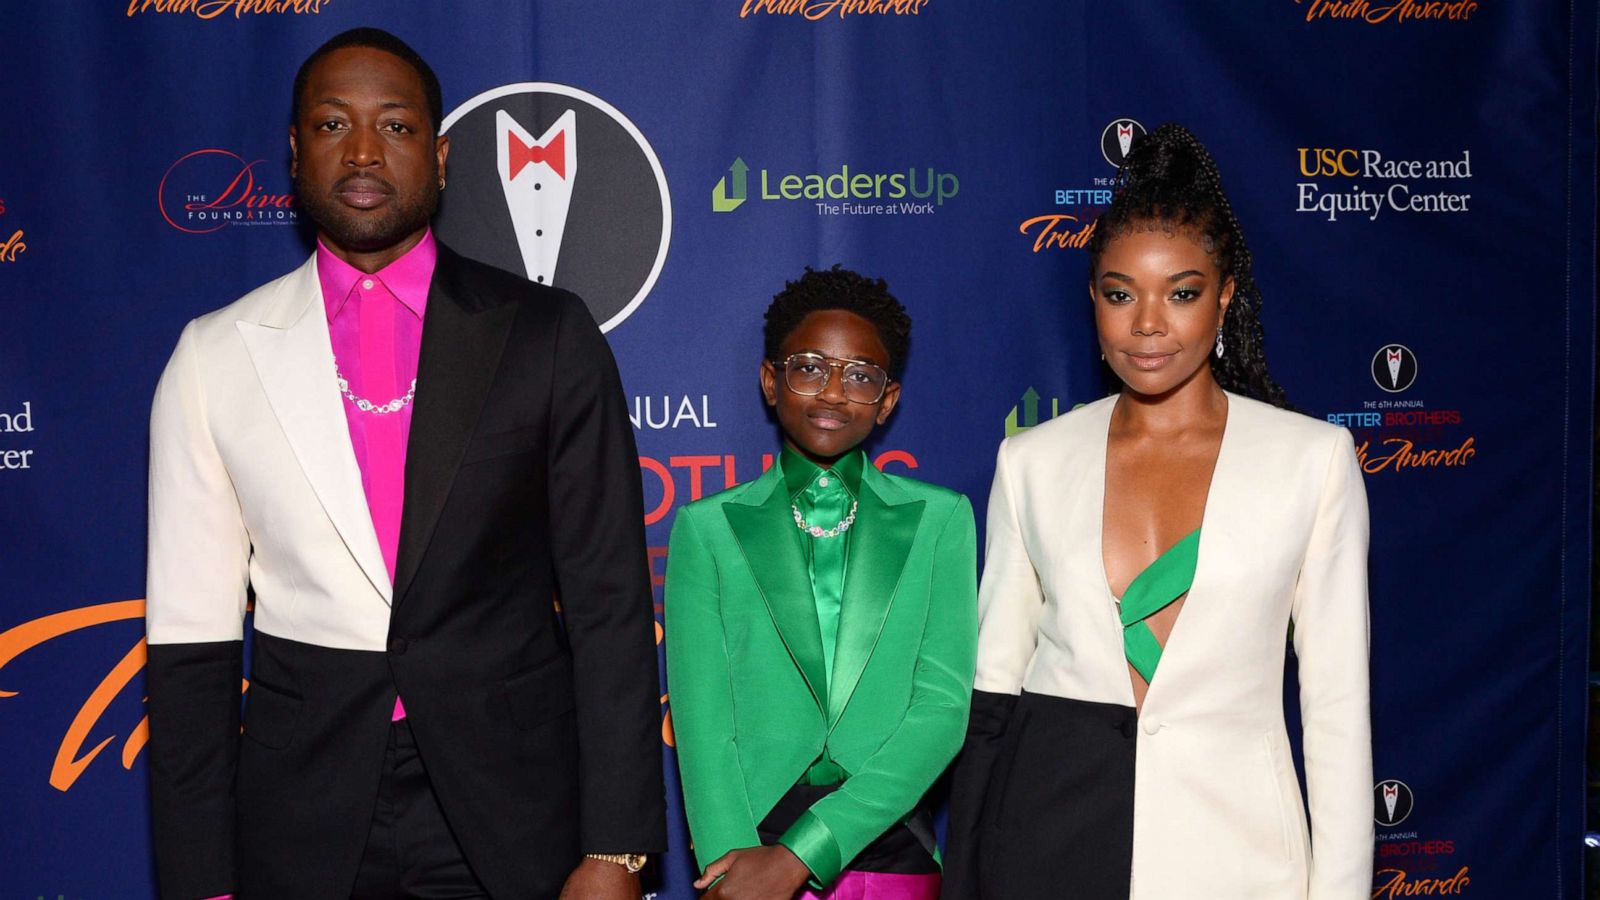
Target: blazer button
x: 1152, y: 727
x: 398, y: 645
x: 1129, y: 728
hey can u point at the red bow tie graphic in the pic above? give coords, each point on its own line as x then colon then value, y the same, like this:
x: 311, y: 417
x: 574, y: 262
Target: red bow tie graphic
x: 552, y: 154
x: 1394, y: 356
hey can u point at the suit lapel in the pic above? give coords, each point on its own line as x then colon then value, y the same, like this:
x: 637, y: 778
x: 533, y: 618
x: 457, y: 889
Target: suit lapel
x: 880, y: 542
x: 293, y: 357
x: 763, y: 527
x: 462, y: 339
x: 1232, y: 477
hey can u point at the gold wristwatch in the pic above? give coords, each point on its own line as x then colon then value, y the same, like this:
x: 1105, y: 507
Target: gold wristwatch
x: 633, y: 862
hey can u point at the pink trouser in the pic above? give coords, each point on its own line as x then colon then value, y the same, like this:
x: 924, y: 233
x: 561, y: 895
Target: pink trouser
x: 879, y: 886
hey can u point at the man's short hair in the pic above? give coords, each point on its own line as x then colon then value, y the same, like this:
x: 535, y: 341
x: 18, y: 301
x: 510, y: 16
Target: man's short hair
x: 377, y: 39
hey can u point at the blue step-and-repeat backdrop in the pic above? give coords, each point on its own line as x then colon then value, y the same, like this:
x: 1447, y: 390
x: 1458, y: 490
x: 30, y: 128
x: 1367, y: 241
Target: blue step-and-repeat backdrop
x: 1416, y: 179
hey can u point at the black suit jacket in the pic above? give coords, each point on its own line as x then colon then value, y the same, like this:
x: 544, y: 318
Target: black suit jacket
x: 539, y: 727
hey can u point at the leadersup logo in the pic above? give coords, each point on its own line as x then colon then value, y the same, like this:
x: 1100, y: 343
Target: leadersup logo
x: 207, y: 190
x: 842, y: 192
x: 555, y: 183
x: 1397, y: 433
x: 1397, y: 185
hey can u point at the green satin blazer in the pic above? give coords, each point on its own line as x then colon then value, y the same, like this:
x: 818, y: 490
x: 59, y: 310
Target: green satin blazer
x: 750, y: 705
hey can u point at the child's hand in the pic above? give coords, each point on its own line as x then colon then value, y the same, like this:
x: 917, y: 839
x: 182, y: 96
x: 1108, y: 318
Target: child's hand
x: 755, y: 873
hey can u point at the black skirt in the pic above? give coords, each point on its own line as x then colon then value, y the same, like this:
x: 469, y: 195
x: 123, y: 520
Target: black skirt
x: 1042, y: 802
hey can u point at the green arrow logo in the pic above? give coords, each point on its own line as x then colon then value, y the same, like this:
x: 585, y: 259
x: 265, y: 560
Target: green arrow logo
x: 1025, y: 415
x: 724, y: 201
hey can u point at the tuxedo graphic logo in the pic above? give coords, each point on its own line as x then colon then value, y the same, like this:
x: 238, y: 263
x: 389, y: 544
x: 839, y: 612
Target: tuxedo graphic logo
x: 1392, y: 802
x: 1394, y: 368
x: 555, y: 184
x: 1117, y: 140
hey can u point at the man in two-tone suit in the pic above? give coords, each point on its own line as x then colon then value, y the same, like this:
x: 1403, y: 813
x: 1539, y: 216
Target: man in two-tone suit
x: 404, y: 456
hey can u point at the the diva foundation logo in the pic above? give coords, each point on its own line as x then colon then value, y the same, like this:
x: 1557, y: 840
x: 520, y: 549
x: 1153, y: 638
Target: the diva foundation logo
x: 557, y: 185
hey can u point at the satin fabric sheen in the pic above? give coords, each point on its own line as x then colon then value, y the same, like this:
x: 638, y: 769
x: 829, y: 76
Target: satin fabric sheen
x: 375, y: 326
x: 879, y: 886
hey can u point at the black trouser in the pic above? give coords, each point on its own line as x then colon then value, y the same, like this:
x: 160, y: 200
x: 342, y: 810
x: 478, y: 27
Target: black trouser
x: 411, y: 854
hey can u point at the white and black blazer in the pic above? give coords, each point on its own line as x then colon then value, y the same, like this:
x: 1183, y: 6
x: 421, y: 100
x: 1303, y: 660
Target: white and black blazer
x: 540, y: 731
x: 1065, y: 792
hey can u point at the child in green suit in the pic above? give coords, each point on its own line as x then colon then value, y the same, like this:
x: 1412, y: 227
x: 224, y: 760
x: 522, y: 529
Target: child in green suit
x: 821, y: 627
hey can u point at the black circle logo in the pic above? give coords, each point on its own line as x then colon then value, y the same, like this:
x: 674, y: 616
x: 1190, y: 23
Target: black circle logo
x: 1391, y: 803
x: 1117, y: 140
x: 553, y: 183
x: 1394, y: 368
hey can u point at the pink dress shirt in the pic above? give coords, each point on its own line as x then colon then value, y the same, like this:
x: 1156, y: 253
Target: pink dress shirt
x: 375, y: 323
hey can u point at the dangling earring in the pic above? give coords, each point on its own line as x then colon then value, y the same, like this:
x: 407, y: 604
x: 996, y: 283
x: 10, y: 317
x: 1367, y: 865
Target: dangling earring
x: 1220, y: 348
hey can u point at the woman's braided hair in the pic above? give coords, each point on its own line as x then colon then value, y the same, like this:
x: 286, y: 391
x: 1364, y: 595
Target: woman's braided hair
x: 1169, y: 180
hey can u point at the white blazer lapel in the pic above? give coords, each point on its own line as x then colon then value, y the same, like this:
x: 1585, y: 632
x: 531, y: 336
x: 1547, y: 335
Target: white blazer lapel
x: 293, y: 357
x: 1206, y: 618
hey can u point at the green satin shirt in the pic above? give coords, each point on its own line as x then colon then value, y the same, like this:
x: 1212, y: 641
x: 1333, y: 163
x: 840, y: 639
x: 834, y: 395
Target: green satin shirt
x: 824, y: 498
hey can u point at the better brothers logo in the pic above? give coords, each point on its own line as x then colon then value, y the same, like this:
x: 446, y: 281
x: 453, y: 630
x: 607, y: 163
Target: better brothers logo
x: 208, y: 190
x: 1394, y: 368
x: 1397, y: 434
x: 1072, y: 224
x: 1407, y: 865
x: 555, y: 184
x: 10, y: 247
x: 841, y: 192
x: 1381, y: 12
x: 816, y: 10
x: 1391, y: 802
x: 211, y: 9
x: 1378, y: 184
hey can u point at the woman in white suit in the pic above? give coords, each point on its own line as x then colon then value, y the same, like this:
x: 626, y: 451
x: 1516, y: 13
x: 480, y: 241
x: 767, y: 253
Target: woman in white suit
x: 1150, y: 558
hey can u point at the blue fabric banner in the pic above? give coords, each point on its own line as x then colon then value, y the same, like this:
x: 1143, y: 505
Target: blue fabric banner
x: 1416, y: 179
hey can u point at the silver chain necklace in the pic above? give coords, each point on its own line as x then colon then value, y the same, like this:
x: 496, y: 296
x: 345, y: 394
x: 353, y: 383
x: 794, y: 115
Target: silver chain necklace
x: 367, y: 406
x: 817, y: 531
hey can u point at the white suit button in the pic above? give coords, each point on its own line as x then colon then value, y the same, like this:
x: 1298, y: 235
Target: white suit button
x: 1152, y: 727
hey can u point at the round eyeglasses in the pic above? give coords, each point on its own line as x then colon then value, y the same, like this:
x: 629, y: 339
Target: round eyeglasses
x: 807, y: 374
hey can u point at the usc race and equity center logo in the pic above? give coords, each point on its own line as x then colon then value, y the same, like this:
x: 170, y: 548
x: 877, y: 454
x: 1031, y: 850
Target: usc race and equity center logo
x: 554, y: 183
x: 1367, y: 183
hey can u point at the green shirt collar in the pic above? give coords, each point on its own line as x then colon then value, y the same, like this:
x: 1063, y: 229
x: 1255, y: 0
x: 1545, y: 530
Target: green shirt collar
x: 799, y: 472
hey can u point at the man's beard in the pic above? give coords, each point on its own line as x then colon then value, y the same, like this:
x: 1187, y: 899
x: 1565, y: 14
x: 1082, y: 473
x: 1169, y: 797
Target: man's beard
x: 368, y: 232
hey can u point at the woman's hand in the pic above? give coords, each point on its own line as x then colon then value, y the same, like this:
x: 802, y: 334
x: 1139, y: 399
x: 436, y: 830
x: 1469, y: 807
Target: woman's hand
x: 755, y: 873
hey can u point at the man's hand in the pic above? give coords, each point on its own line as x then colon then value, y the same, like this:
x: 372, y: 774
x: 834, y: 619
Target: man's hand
x: 596, y: 879
x: 755, y: 873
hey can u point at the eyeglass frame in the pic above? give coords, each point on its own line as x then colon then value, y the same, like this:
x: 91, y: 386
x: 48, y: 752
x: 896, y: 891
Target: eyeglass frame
x: 832, y: 363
